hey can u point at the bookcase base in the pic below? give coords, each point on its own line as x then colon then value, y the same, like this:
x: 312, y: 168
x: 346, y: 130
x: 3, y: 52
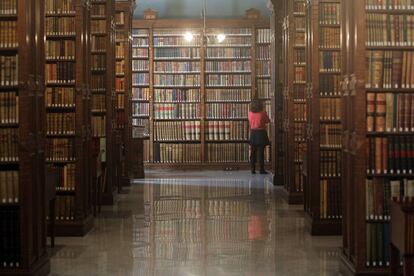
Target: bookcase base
x: 74, y: 228
x: 126, y: 182
x: 321, y: 227
x: 108, y: 199
x: 292, y: 198
x: 40, y: 268
x: 202, y: 166
x: 346, y: 268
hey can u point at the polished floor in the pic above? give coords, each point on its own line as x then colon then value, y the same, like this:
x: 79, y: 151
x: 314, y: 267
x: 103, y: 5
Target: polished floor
x: 198, y: 223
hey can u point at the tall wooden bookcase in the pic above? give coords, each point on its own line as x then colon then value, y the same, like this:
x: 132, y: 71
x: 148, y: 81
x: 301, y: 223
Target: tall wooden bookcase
x: 377, y: 89
x: 68, y: 113
x: 323, y: 201
x: 103, y: 92
x: 198, y: 87
x: 123, y: 86
x: 294, y: 98
x: 22, y: 167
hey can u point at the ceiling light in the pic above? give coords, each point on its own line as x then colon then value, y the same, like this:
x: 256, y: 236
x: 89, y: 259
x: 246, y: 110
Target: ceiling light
x: 188, y: 36
x: 221, y: 37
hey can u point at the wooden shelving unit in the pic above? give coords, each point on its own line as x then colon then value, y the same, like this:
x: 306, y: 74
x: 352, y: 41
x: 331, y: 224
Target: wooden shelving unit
x: 371, y: 177
x: 294, y: 95
x: 323, y: 188
x: 68, y: 120
x: 186, y: 75
x: 103, y: 93
x: 22, y: 214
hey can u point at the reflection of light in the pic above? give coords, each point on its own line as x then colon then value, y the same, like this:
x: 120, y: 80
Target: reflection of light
x: 188, y: 36
x: 221, y: 38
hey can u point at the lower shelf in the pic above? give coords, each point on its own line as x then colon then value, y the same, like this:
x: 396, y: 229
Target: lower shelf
x: 346, y: 268
x: 74, y: 228
x: 323, y: 227
x: 293, y: 198
x: 39, y: 268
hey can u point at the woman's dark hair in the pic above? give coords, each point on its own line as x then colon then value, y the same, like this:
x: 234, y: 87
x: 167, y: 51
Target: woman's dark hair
x: 256, y: 106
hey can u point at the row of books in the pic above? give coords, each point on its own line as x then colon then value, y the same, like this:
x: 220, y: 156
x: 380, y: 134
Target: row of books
x: 329, y: 85
x: 174, y: 53
x: 330, y: 13
x: 390, y: 69
x: 300, y: 111
x: 98, y: 62
x: 9, y: 187
x: 300, y: 39
x: 378, y: 244
x: 263, y: 52
x: 60, y: 150
x: 177, y: 131
x: 177, y: 153
x: 98, y: 26
x: 230, y: 53
x: 300, y: 131
x: 10, y: 254
x: 9, y: 108
x: 389, y: 5
x: 9, y: 68
x: 330, y: 199
x: 120, y: 101
x: 140, y: 42
x: 227, y: 130
x: 58, y: 6
x: 177, y: 80
x: 9, y: 147
x: 120, y: 84
x: 141, y: 109
x: 299, y: 93
x: 140, y: 65
x: 390, y: 155
x: 98, y: 9
x: 330, y: 163
x: 140, y: 32
x: 65, y: 208
x: 140, y: 78
x: 330, y: 109
x: 8, y: 7
x: 264, y: 88
x: 230, y: 41
x: 390, y: 112
x: 329, y: 37
x: 230, y: 31
x: 98, y: 102
x: 60, y: 26
x: 176, y: 41
x: 120, y: 50
x: 98, y: 82
x: 389, y: 30
x: 98, y: 44
x: 60, y: 123
x: 263, y: 68
x: 227, y: 110
x: 60, y: 49
x: 176, y: 95
x: 177, y: 66
x: 329, y: 61
x: 299, y: 56
x: 120, y: 67
x: 140, y: 53
x: 300, y: 74
x: 299, y: 23
x: 67, y: 176
x: 379, y: 192
x: 142, y: 94
x: 98, y: 124
x: 264, y: 36
x: 177, y: 111
x: 60, y: 72
x: 120, y: 18
x: 228, y: 66
x: 222, y: 153
x: 228, y: 95
x: 299, y: 7
x: 228, y: 80
x: 8, y: 34
x: 330, y: 135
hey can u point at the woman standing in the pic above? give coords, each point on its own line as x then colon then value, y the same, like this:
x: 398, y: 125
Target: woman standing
x: 258, y: 119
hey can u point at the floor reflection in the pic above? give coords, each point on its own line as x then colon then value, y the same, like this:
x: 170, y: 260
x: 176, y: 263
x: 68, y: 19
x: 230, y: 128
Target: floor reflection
x: 201, y: 223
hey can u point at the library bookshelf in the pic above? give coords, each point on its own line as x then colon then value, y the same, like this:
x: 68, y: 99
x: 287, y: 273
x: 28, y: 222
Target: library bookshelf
x: 68, y: 121
x: 103, y: 92
x: 323, y: 189
x: 378, y: 88
x: 294, y: 101
x: 22, y: 189
x: 190, y: 101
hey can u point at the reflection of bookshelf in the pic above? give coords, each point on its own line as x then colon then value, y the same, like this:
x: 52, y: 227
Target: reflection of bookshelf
x: 22, y: 135
x: 67, y: 121
x: 295, y: 115
x: 376, y: 128
x: 192, y: 101
x: 103, y: 90
x: 323, y: 197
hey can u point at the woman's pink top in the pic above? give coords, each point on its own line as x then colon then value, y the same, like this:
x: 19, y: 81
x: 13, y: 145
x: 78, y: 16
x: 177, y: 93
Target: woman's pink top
x: 258, y: 120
